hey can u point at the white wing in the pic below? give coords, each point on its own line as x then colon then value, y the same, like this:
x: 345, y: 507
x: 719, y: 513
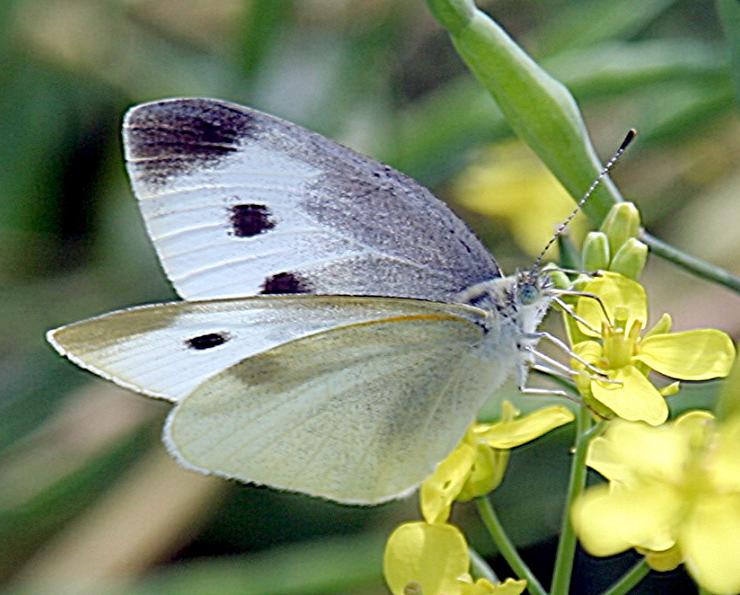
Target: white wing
x: 166, y: 350
x: 239, y: 203
x: 359, y: 414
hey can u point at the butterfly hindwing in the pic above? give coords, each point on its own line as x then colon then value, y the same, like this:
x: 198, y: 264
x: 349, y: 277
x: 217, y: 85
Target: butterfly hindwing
x: 241, y: 203
x: 166, y: 350
x: 358, y: 414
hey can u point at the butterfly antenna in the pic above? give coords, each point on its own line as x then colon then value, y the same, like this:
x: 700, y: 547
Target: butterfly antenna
x: 630, y: 136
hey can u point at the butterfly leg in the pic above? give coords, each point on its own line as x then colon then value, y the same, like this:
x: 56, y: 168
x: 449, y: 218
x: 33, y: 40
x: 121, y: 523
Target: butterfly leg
x: 564, y: 371
x: 559, y: 343
x: 523, y: 374
x: 572, y: 313
x: 586, y: 294
x: 567, y: 371
x: 554, y: 392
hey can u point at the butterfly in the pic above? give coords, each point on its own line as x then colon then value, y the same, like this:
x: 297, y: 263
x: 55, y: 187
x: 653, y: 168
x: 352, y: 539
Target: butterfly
x: 339, y: 327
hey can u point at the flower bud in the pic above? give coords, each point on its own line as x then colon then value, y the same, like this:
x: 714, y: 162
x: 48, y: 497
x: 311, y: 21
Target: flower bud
x: 622, y: 222
x: 596, y: 251
x: 560, y: 279
x: 580, y: 282
x: 663, y: 561
x: 630, y: 259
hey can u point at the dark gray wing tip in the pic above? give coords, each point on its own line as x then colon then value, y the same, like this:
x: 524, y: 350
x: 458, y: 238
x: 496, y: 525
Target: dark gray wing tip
x: 195, y: 127
x: 175, y: 136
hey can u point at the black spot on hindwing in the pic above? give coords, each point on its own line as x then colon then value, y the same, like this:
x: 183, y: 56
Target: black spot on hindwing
x: 207, y: 341
x: 250, y: 220
x: 172, y: 138
x: 285, y: 283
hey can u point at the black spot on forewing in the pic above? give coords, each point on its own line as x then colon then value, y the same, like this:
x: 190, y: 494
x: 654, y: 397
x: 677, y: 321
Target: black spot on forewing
x: 285, y: 283
x: 250, y: 220
x: 170, y: 138
x: 207, y: 341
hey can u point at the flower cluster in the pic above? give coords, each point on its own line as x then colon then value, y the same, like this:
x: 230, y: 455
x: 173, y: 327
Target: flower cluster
x: 432, y: 556
x: 673, y: 489
x: 673, y: 493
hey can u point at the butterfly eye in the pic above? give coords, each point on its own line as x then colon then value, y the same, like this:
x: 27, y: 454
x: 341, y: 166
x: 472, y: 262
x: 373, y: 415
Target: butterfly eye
x: 528, y: 294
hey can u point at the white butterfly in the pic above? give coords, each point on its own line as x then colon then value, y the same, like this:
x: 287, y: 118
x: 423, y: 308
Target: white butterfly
x: 393, y: 328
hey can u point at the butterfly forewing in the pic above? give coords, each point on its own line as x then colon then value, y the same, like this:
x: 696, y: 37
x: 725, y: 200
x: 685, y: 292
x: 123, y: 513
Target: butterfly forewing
x: 166, y: 350
x: 359, y: 414
x: 241, y: 203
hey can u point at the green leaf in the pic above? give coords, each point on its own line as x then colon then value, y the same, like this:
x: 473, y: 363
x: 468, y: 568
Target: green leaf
x: 729, y: 14
x: 433, y: 134
x: 338, y: 565
x: 584, y: 24
x: 263, y: 24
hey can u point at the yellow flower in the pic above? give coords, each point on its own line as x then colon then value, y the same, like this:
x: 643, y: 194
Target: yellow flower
x: 674, y: 491
x: 433, y: 559
x: 507, y: 176
x: 425, y: 559
x: 627, y: 355
x: 485, y: 587
x: 478, y: 463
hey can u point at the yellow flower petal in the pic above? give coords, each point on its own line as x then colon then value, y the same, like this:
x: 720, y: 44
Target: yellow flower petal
x: 485, y: 587
x: 508, y: 434
x: 710, y: 540
x: 507, y: 176
x: 486, y: 474
x: 693, y: 422
x: 609, y: 520
x: 670, y: 389
x: 427, y: 557
x: 591, y: 351
x: 635, y: 399
x: 439, y: 490
x: 629, y: 451
x: 724, y: 469
x: 511, y: 587
x: 690, y: 355
x: 615, y: 292
x: 661, y: 327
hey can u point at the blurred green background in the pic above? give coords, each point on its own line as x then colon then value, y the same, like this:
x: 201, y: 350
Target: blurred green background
x: 88, y: 497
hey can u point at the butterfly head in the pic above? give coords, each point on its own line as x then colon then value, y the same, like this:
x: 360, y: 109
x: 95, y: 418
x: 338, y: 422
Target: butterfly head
x: 531, y: 297
x: 517, y: 302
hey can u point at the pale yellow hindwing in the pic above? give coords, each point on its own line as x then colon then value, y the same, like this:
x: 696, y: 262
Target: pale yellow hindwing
x: 358, y: 414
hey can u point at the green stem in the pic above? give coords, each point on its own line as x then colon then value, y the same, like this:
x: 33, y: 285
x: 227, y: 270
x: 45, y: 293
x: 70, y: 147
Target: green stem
x: 506, y: 547
x: 632, y: 577
x: 480, y: 568
x: 567, y: 543
x: 694, y: 265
